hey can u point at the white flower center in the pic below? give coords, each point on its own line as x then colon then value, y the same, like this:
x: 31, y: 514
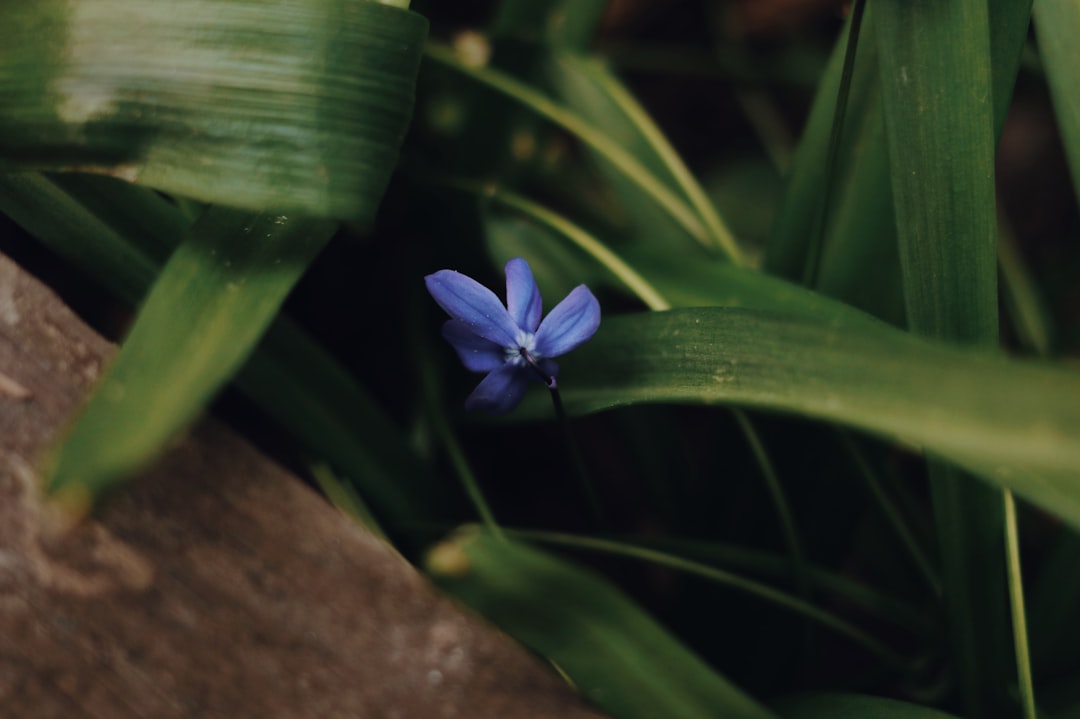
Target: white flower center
x: 525, y: 342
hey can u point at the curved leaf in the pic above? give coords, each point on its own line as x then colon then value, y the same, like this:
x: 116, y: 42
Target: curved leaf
x: 618, y: 656
x: 839, y: 706
x: 1015, y: 422
x: 299, y: 105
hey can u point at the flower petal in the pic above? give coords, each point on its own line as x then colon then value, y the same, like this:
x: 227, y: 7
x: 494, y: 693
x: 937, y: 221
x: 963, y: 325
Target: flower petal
x: 500, y: 391
x: 476, y: 353
x: 572, y: 322
x: 522, y: 295
x: 467, y: 300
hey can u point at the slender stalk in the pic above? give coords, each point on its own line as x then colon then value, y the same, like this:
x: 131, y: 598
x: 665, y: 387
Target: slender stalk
x: 571, y: 443
x: 1016, y: 604
x: 892, y: 514
x: 783, y: 509
x: 817, y: 237
x: 734, y: 581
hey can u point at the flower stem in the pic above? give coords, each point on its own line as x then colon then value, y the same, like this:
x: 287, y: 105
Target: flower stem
x: 587, y: 487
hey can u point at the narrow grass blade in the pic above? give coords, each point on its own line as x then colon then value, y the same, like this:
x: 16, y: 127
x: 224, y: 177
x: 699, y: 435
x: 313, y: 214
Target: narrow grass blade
x: 1015, y: 422
x: 853, y: 706
x: 892, y: 514
x: 652, y: 186
x: 784, y: 515
x: 836, y: 133
x: 1056, y: 24
x: 777, y: 567
x: 299, y: 105
x: 209, y: 307
x: 1023, y: 300
x: 1019, y: 616
x: 728, y: 579
x: 587, y: 81
x: 577, y: 235
x: 616, y: 655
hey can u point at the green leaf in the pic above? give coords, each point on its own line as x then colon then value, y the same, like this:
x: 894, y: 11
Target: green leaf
x: 1056, y: 25
x: 1016, y: 422
x: 938, y: 94
x: 299, y: 105
x: 209, y: 307
x: 615, y: 654
x: 856, y: 706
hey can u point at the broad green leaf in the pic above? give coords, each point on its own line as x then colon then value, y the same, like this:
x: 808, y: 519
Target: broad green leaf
x: 299, y: 105
x: 1016, y: 422
x: 1056, y: 25
x: 853, y: 706
x: 614, y: 653
x: 207, y: 310
x: 938, y: 94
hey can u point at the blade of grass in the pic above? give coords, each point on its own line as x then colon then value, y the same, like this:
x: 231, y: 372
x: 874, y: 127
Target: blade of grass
x: 1056, y: 22
x: 618, y: 657
x: 291, y: 104
x: 786, y: 251
x: 892, y: 514
x: 719, y: 576
x: 591, y: 136
x: 939, y: 120
x: 1026, y: 305
x: 1019, y: 618
x: 778, y: 567
x: 858, y: 261
x: 230, y: 278
x: 577, y: 235
x: 780, y: 502
x: 857, y: 706
x: 598, y: 75
x: 817, y: 234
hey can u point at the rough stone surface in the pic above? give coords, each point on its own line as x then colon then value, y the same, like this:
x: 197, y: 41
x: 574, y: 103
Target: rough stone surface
x: 219, y: 585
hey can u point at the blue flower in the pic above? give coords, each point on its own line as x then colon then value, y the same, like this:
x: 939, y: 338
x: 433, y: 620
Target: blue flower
x: 510, y: 343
